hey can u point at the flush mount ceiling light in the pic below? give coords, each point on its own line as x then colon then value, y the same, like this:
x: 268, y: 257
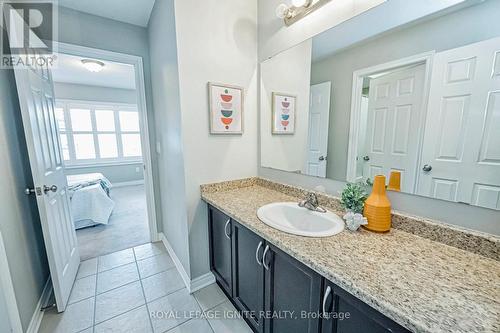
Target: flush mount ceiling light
x: 297, y: 10
x: 94, y: 66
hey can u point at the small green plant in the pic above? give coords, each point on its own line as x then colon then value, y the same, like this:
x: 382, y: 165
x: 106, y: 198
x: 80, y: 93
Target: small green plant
x: 353, y: 197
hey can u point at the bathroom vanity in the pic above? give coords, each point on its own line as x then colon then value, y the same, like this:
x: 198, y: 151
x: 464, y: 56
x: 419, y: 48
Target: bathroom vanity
x: 420, y: 100
x: 350, y: 282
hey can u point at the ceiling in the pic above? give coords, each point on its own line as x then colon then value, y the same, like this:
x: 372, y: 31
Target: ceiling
x: 129, y: 11
x: 69, y: 69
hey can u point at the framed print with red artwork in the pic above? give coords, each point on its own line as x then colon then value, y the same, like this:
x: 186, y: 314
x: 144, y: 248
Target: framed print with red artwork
x: 283, y: 113
x: 226, y: 108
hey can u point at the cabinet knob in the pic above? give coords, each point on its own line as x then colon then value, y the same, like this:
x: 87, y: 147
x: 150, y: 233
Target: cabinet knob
x: 427, y: 168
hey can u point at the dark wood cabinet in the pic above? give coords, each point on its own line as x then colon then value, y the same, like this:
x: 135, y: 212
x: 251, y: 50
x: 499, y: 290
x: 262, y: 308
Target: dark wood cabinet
x: 248, y: 275
x: 278, y: 294
x: 293, y: 293
x: 221, y: 248
x: 347, y: 314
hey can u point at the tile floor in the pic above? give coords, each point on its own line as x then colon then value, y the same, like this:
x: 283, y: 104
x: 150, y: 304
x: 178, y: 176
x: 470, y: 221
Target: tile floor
x: 139, y: 290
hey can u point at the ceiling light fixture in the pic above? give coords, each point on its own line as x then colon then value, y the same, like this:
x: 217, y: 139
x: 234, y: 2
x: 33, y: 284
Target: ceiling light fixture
x: 94, y: 66
x: 298, y: 9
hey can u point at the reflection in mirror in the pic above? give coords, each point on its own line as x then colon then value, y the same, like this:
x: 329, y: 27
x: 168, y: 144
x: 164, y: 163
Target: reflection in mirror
x: 422, y: 100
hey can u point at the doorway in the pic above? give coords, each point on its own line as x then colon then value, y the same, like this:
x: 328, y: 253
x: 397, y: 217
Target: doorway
x: 78, y: 132
x: 388, y: 109
x: 98, y: 120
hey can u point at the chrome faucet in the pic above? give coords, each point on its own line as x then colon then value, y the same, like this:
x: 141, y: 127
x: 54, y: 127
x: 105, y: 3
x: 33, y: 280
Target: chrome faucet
x: 311, y: 203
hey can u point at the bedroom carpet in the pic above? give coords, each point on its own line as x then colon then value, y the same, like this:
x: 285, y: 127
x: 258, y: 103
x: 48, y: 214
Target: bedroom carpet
x: 128, y: 225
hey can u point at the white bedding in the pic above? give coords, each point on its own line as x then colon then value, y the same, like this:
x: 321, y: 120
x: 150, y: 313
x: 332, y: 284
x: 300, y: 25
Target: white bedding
x: 91, y: 205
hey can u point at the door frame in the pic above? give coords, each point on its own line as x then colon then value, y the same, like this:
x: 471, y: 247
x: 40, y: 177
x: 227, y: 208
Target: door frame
x: 357, y: 87
x: 8, y: 289
x: 137, y: 62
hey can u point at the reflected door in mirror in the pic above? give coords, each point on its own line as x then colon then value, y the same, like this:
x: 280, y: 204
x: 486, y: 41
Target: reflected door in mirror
x: 462, y: 135
x: 317, y: 142
x: 392, y: 138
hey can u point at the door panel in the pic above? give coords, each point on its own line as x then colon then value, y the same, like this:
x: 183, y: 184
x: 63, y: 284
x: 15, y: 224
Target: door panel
x: 317, y: 143
x: 248, y: 274
x: 291, y: 286
x: 36, y: 98
x: 392, y: 138
x: 220, y: 249
x: 462, y: 133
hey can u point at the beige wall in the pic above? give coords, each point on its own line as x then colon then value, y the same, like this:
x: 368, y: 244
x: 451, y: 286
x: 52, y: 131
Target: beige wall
x: 288, y: 72
x: 216, y: 42
x: 221, y: 47
x: 166, y: 99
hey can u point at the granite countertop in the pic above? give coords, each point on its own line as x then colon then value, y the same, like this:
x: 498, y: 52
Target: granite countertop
x: 424, y: 285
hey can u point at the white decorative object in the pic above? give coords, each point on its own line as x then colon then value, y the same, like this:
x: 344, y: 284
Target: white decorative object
x: 354, y: 220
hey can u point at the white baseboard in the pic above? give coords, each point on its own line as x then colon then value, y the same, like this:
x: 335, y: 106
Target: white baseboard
x: 177, y: 262
x: 130, y: 183
x: 201, y: 282
x: 191, y: 285
x: 37, y: 317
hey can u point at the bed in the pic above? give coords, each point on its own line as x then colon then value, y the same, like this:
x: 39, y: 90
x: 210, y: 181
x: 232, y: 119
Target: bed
x: 90, y: 201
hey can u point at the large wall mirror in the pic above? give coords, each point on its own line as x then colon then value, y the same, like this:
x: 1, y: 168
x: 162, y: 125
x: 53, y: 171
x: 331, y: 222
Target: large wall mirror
x: 422, y: 100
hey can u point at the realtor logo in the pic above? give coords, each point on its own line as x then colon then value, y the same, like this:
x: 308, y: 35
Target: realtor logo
x: 28, y: 33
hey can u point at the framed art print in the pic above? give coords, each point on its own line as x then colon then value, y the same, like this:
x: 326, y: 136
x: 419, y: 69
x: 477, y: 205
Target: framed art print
x: 283, y: 113
x: 226, y: 108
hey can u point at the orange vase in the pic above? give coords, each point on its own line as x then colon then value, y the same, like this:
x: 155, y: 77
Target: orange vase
x: 378, y: 207
x: 394, y: 181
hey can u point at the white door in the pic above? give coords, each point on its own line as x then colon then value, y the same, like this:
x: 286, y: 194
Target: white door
x: 36, y: 99
x: 317, y: 142
x: 393, y: 130
x: 462, y: 133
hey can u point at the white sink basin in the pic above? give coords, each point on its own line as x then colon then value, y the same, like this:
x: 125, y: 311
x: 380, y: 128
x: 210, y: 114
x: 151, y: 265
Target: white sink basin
x: 290, y: 218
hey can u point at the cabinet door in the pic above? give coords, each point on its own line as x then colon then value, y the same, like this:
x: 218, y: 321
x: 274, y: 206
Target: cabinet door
x: 220, y: 248
x: 293, y: 293
x: 347, y: 314
x: 248, y: 275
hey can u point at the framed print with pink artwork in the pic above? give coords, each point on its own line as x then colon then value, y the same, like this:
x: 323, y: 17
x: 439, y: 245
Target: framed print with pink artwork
x: 283, y: 113
x: 226, y: 108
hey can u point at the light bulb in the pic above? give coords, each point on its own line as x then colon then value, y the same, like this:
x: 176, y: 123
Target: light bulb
x: 299, y: 3
x: 282, y: 11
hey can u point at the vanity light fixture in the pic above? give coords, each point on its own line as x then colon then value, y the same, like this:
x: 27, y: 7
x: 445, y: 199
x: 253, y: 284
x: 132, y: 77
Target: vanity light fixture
x: 298, y: 9
x: 94, y: 66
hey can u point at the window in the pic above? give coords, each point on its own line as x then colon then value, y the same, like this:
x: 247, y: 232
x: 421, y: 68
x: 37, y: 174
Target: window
x: 93, y: 133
